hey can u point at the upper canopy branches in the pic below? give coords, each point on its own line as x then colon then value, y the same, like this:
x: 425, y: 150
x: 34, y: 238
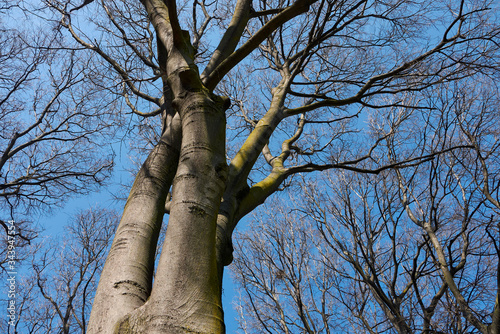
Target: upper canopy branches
x: 336, y: 52
x: 329, y: 64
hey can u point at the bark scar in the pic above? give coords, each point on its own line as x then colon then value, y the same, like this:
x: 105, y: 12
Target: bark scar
x: 195, y: 210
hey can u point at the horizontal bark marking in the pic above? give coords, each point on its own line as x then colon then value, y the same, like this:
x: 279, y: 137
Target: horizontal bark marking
x: 141, y: 298
x: 196, y: 145
x: 201, y: 109
x: 217, y: 177
x: 190, y: 150
x: 129, y: 286
x: 120, y: 243
x: 186, y: 176
x: 196, y: 103
x: 199, y: 206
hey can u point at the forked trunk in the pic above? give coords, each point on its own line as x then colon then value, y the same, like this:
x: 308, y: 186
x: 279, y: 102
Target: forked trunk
x: 186, y: 294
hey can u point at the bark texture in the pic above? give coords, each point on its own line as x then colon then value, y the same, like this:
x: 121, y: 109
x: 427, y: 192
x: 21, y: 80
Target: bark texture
x: 186, y: 296
x: 126, y: 280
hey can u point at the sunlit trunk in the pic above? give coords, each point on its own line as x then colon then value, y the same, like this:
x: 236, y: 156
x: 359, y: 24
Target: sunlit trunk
x: 126, y: 279
x: 186, y: 295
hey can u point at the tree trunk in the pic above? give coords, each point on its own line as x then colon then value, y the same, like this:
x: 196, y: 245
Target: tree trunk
x: 126, y: 279
x: 186, y: 296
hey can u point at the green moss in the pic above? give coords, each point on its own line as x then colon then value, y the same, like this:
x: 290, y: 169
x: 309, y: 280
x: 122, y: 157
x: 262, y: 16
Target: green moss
x: 123, y: 327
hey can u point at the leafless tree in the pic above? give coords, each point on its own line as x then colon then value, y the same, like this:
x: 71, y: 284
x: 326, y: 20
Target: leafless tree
x: 458, y: 209
x: 56, y: 288
x: 286, y: 86
x: 408, y: 250
x: 56, y: 123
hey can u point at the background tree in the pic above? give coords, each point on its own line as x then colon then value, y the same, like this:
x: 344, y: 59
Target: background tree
x: 294, y: 82
x: 56, y: 123
x: 56, y: 294
x: 411, y: 250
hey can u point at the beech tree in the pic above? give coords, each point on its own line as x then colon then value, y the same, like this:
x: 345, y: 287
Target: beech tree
x: 245, y: 95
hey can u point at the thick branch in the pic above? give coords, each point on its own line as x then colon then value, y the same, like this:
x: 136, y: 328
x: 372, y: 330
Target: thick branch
x: 231, y: 37
x: 296, y: 9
